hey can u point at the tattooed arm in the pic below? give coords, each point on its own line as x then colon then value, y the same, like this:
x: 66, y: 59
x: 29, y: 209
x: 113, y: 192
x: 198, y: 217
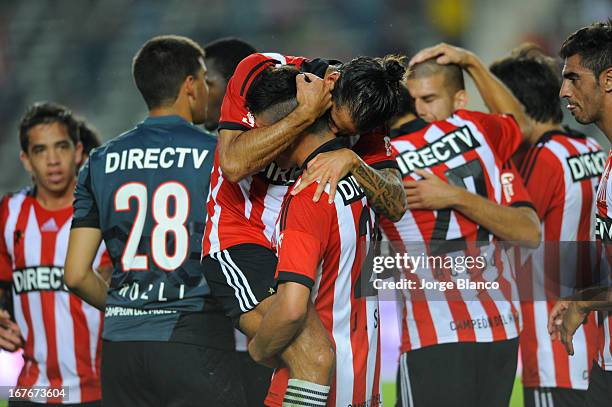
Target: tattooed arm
x: 383, y: 188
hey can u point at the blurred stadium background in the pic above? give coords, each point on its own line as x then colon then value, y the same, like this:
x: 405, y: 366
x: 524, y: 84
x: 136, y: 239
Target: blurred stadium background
x: 78, y: 52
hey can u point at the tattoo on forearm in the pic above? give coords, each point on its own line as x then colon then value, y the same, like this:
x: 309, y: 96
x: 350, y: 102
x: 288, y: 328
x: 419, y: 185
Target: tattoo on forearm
x: 383, y: 189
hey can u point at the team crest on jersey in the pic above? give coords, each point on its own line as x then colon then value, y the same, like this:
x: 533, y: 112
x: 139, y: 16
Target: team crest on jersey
x: 506, y: 180
x: 388, y: 146
x: 249, y: 119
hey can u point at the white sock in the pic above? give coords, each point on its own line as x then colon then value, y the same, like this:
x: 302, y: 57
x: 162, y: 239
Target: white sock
x: 301, y: 393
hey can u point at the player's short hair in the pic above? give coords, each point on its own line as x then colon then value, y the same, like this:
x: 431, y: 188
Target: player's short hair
x: 453, y: 74
x: 369, y: 88
x: 273, y: 88
x: 46, y: 113
x: 274, y: 92
x: 535, y: 82
x: 161, y: 66
x: 89, y: 136
x: 593, y: 44
x: 226, y: 53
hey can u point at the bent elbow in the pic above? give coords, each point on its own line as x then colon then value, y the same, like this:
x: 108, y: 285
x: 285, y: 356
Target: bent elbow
x: 71, y: 278
x: 231, y: 170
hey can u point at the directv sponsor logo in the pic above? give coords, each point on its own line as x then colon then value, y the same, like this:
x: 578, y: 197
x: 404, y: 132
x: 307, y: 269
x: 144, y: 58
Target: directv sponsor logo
x: 446, y: 148
x: 154, y: 158
x: 276, y: 175
x: 603, y: 229
x: 41, y: 278
x: 349, y: 190
x: 586, y: 166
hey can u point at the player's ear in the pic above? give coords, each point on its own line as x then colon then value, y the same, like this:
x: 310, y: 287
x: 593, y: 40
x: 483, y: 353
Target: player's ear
x: 330, y: 79
x: 25, y: 160
x: 460, y: 100
x: 606, y: 79
x: 189, y: 86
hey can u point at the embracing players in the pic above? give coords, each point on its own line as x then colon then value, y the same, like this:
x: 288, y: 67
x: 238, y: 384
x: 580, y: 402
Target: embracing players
x: 248, y: 187
x: 462, y: 200
x: 322, y: 249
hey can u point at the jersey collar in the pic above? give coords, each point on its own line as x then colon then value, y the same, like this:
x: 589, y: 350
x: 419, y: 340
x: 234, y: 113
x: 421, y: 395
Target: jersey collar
x: 172, y: 119
x: 331, y: 145
x: 409, y: 127
x: 567, y: 132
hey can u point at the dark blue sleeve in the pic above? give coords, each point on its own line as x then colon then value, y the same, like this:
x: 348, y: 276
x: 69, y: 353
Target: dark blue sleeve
x: 86, y: 213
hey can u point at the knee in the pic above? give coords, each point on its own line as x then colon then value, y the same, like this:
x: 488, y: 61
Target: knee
x: 326, y: 358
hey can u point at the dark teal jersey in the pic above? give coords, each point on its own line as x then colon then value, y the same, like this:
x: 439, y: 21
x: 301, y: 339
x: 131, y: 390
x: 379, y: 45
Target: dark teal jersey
x: 146, y: 190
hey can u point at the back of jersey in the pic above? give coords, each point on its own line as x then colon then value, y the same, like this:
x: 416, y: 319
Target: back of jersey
x: 146, y: 190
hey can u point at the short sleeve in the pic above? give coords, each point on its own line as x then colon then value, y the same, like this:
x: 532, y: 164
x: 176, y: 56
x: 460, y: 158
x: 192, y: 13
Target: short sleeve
x: 543, y: 176
x: 85, y: 208
x: 374, y: 148
x: 304, y: 231
x: 501, y: 130
x: 514, y: 192
x: 234, y: 114
x: 6, y: 263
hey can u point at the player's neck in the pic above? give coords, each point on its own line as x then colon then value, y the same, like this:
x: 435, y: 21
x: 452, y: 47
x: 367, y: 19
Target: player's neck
x: 56, y: 200
x: 605, y: 124
x: 174, y: 110
x: 408, y: 117
x: 308, y: 144
x: 539, y: 128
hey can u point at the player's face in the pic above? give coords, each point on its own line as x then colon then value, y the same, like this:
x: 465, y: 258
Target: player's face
x: 51, y: 157
x: 199, y: 99
x: 581, y: 90
x: 432, y: 98
x: 216, y: 90
x: 341, y: 122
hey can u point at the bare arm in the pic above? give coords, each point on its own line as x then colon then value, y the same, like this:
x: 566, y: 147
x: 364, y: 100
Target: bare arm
x: 497, y: 97
x: 242, y: 153
x: 83, y: 245
x: 383, y: 188
x: 10, y: 334
x: 507, y: 223
x: 282, y: 322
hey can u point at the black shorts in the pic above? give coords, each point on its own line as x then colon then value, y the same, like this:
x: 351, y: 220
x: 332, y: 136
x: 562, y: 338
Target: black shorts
x: 458, y: 375
x: 169, y: 374
x: 553, y: 397
x: 240, y: 277
x: 599, y: 393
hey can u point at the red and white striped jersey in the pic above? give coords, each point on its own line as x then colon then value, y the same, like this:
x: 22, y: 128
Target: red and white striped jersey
x: 561, y: 172
x: 324, y: 246
x: 62, y: 333
x: 246, y: 212
x: 468, y: 149
x: 603, y: 232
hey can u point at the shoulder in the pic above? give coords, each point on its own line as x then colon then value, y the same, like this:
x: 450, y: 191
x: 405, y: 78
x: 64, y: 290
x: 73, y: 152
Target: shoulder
x: 483, y: 117
x: 17, y: 197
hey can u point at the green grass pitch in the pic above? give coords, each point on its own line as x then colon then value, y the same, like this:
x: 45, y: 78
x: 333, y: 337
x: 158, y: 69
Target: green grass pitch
x: 389, y: 394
